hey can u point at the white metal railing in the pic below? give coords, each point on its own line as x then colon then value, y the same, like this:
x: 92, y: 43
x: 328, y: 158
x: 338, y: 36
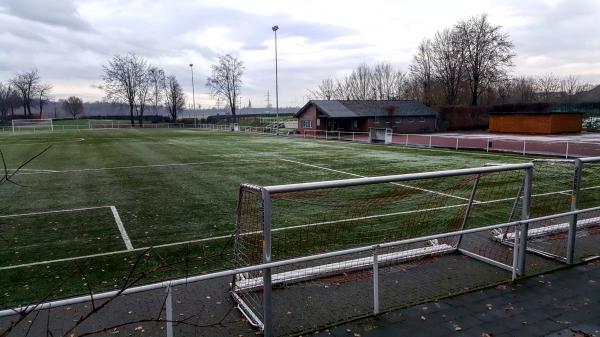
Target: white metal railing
x: 375, y: 262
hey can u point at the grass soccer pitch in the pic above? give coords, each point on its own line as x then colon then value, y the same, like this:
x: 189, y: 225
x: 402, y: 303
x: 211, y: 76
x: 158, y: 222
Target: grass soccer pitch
x: 87, y: 211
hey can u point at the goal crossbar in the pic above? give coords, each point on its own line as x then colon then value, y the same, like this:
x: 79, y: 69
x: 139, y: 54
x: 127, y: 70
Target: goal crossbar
x: 32, y: 124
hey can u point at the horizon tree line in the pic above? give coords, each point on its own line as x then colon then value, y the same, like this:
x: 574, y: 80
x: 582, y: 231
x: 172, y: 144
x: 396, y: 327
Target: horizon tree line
x: 466, y: 64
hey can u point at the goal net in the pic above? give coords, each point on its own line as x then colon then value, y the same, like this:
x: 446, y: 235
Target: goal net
x: 102, y: 124
x: 32, y: 125
x: 290, y: 221
x: 554, y: 191
x: 380, y: 135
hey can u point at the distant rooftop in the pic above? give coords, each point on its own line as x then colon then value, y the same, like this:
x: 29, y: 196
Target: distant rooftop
x: 368, y: 108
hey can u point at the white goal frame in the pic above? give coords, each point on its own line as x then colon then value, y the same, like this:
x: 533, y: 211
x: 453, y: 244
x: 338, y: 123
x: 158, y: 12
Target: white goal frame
x: 380, y: 135
x: 31, y: 124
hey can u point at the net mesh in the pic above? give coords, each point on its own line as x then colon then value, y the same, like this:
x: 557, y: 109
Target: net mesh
x: 325, y: 220
x: 29, y: 124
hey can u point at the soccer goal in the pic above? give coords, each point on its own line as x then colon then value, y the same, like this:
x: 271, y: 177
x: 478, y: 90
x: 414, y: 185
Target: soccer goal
x: 102, y: 124
x: 559, y: 186
x: 32, y: 125
x: 377, y: 135
x: 291, y: 221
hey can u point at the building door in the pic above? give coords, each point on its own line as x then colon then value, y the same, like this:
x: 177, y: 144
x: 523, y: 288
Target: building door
x: 332, y: 125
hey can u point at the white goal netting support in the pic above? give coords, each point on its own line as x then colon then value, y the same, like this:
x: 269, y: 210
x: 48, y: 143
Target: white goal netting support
x: 561, y: 185
x: 102, y: 124
x: 32, y: 125
x: 380, y: 135
x: 415, y: 211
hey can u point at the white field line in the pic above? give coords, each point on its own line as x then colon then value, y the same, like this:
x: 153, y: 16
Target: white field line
x: 124, y: 235
x: 141, y: 166
x: 50, y: 212
x: 221, y: 237
x: 48, y: 142
x: 32, y: 170
x: 360, y: 176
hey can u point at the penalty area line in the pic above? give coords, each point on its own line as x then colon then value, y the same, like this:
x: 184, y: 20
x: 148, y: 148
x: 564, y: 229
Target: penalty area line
x: 124, y: 235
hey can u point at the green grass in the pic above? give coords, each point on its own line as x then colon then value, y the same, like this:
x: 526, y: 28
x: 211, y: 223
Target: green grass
x: 179, y: 185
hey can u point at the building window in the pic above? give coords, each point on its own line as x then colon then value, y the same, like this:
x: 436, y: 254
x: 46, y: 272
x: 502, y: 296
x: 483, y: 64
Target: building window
x: 410, y: 120
x: 354, y: 124
x: 318, y: 121
x: 422, y: 120
x: 398, y: 120
x: 307, y: 124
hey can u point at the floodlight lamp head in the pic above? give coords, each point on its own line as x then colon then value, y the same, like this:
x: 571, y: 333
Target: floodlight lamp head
x: 191, y: 64
x: 275, y: 28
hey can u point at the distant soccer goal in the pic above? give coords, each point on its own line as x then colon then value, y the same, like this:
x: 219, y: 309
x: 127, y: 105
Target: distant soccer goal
x: 380, y: 135
x: 32, y: 125
x: 103, y: 124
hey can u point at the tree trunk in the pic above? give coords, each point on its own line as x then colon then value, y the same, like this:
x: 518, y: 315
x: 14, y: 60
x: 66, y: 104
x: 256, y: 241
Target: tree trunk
x: 141, y: 117
x: 131, y: 115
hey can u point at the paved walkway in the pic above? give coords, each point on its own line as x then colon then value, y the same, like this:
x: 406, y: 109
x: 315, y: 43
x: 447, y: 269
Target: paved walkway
x: 562, y: 303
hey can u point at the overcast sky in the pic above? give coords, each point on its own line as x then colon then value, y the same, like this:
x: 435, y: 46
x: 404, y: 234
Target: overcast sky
x: 68, y: 41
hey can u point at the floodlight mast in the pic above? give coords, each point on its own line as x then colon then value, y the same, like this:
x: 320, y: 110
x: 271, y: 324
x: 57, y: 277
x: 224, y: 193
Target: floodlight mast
x: 193, y: 91
x: 275, y: 28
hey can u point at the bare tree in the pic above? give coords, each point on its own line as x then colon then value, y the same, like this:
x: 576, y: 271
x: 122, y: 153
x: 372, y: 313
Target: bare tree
x: 123, y: 78
x: 400, y: 86
x: 359, y: 85
x: 157, y: 79
x: 5, y: 93
x: 73, y: 106
x: 43, y: 92
x: 225, y: 81
x: 175, y: 99
x: 143, y: 96
x: 384, y: 80
x: 523, y: 89
x: 448, y: 63
x: 488, y: 53
x: 326, y: 90
x: 421, y: 71
x: 26, y: 83
x: 547, y: 87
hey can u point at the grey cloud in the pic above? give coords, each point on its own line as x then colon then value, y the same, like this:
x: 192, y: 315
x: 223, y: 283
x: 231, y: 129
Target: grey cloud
x: 569, y: 27
x: 57, y: 13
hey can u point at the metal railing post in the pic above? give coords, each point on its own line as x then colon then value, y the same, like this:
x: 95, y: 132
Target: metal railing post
x: 169, y: 311
x: 527, y: 185
x: 430, y: 141
x: 487, y: 144
x: 456, y: 143
x: 574, y: 205
x: 516, y: 255
x: 267, y: 286
x: 524, y: 144
x: 567, y: 151
x: 406, y: 142
x: 375, y: 281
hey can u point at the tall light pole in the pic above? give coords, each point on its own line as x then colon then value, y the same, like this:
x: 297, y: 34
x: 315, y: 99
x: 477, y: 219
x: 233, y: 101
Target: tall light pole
x: 193, y: 93
x: 275, y: 28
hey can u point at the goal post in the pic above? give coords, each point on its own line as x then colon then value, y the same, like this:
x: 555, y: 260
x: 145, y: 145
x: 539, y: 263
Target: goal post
x: 32, y: 125
x: 380, y: 135
x: 102, y: 124
x: 282, y: 222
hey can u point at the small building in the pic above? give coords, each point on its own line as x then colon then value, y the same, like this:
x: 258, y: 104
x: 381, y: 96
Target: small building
x: 402, y: 116
x: 535, y: 122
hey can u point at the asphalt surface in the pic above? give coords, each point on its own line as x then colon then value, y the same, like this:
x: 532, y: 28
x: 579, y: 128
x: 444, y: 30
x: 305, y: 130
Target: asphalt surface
x: 562, y: 303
